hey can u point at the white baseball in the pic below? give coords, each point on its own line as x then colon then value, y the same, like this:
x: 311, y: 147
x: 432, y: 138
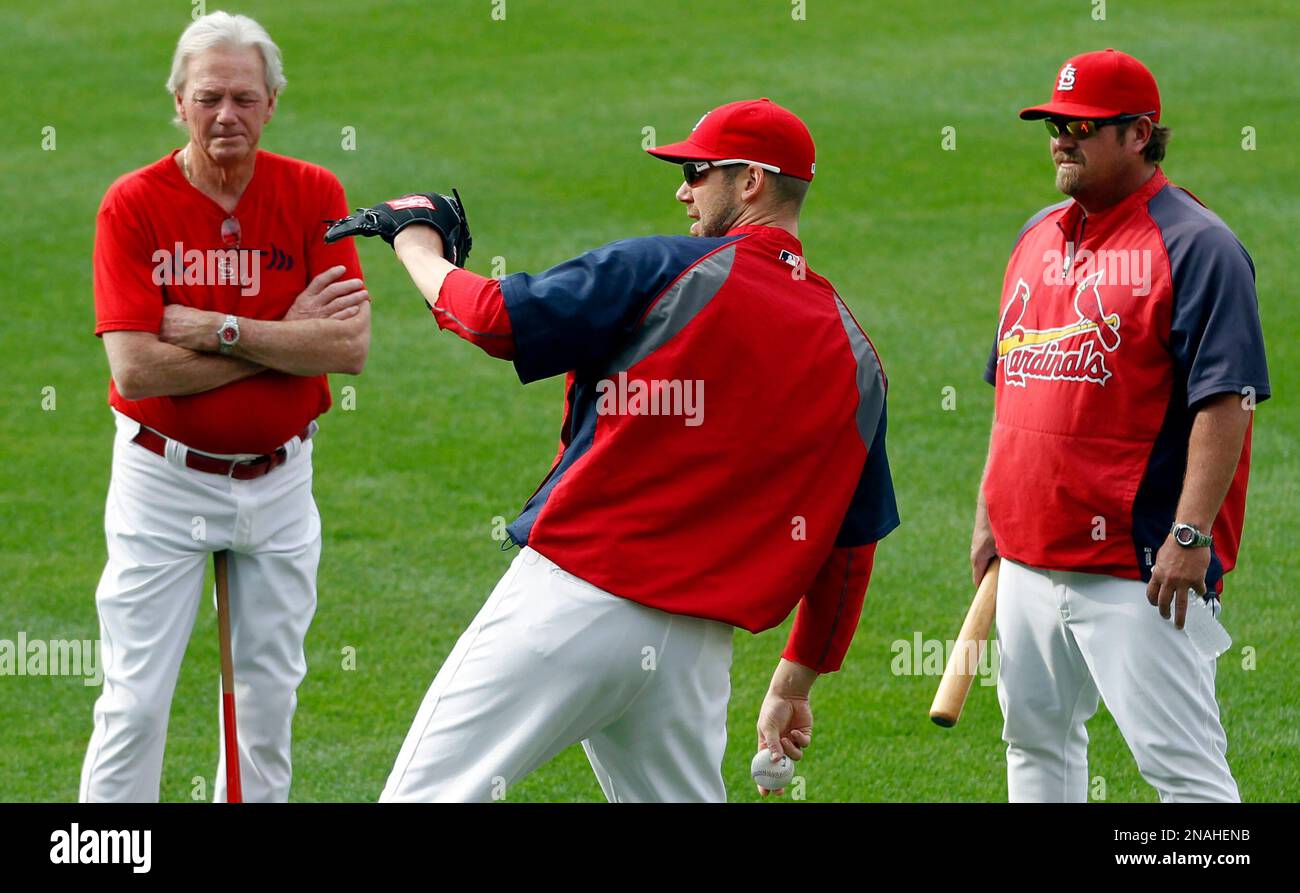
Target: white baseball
x: 768, y: 774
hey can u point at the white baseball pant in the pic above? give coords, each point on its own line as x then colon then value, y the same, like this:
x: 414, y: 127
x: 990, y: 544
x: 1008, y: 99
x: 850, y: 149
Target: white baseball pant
x: 162, y: 521
x: 1067, y: 639
x: 551, y: 660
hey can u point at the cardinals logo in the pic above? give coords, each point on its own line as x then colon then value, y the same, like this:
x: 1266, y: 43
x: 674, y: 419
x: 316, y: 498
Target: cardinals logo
x: 1072, y: 352
x: 1066, y: 79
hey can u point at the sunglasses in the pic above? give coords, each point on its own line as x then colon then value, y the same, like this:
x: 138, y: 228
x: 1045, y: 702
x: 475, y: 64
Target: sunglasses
x: 1082, y: 129
x: 230, y: 232
x: 230, y: 237
x: 695, y: 171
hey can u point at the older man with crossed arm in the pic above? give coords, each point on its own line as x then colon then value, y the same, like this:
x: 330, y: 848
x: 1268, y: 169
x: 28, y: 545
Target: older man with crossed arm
x: 221, y: 311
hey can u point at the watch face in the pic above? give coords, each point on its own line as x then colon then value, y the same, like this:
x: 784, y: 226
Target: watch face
x: 1185, y: 536
x: 228, y: 334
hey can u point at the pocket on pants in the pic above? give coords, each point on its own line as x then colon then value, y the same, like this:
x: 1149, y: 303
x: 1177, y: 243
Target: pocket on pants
x: 577, y: 581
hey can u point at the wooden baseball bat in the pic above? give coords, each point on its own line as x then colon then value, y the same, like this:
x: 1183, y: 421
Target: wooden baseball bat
x: 966, y: 652
x: 234, y: 790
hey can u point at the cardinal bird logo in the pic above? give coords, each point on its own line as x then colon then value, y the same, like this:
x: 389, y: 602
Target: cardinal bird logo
x: 1061, y: 353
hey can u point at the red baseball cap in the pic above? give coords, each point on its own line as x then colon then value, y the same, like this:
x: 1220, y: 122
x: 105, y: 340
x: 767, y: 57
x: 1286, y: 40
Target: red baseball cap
x: 1104, y: 84
x: 754, y: 130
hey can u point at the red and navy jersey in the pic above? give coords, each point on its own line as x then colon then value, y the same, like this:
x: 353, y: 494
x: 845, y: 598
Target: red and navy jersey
x: 724, y: 427
x: 1114, y: 328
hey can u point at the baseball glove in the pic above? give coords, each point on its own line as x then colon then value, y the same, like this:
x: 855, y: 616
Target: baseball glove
x: 445, y: 213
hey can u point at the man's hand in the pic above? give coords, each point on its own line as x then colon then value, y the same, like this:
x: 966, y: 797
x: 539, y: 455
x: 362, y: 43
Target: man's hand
x: 1176, y: 570
x: 785, y: 720
x: 191, y: 328
x: 327, y: 298
x: 983, y: 548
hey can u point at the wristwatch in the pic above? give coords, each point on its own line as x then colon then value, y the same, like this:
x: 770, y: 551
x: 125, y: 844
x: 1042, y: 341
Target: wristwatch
x: 228, y: 334
x: 1189, y: 537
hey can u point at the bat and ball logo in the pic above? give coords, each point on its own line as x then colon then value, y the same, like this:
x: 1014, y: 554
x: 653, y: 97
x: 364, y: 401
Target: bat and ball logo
x: 1075, y: 351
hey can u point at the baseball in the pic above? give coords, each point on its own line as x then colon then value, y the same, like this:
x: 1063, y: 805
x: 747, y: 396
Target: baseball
x: 768, y: 774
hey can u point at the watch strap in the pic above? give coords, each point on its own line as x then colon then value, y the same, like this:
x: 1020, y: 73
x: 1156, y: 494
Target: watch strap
x: 224, y: 344
x: 1198, y: 540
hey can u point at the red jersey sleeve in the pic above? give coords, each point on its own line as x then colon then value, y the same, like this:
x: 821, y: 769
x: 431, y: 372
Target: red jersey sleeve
x: 472, y: 306
x: 126, y: 296
x: 828, y: 613
x: 322, y: 256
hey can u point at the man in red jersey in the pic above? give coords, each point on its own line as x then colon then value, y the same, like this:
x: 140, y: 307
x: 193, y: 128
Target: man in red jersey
x: 1128, y: 359
x: 722, y: 461
x: 221, y: 311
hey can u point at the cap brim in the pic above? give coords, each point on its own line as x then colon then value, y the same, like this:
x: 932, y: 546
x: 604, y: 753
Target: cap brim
x: 1067, y: 110
x: 684, y: 151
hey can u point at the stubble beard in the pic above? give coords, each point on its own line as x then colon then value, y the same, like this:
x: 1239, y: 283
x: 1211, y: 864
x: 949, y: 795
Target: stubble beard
x: 720, y: 221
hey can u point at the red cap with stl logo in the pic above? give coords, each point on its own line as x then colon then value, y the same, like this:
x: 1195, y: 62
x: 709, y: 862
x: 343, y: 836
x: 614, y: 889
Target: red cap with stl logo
x: 1104, y: 84
x: 755, y: 130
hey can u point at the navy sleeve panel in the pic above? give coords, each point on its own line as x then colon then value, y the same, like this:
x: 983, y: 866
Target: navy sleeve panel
x: 577, y: 313
x: 1216, y: 337
x: 873, y: 511
x: 991, y: 367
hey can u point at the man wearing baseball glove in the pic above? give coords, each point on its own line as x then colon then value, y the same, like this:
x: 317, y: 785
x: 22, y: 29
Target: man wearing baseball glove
x: 661, y: 527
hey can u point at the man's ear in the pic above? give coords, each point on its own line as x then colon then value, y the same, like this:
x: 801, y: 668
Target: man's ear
x: 270, y: 107
x: 755, y: 178
x: 1140, y: 134
x: 180, y: 105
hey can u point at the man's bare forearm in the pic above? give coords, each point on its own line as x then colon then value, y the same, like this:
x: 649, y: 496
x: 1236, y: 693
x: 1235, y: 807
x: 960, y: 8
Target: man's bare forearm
x: 311, y: 346
x: 307, y: 346
x: 419, y: 248
x: 1213, y: 452
x: 144, y: 367
x: 792, y: 678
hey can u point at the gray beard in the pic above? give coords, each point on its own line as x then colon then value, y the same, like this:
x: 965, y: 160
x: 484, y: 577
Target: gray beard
x: 1067, y: 181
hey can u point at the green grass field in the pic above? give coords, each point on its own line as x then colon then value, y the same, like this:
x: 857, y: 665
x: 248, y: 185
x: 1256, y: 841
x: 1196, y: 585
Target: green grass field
x: 538, y: 119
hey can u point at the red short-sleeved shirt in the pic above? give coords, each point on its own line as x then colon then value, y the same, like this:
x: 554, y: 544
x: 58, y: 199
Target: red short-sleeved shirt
x: 1115, y: 327
x: 153, y: 236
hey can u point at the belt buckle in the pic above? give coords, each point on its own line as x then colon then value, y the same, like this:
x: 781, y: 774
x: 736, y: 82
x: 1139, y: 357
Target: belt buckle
x: 266, y: 463
x: 249, y: 463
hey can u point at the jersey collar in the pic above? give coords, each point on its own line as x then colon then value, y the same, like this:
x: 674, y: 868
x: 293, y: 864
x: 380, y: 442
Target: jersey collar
x: 1069, y: 221
x: 781, y: 236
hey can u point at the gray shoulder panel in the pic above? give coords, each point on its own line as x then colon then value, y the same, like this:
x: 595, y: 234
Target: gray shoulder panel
x: 1038, y: 218
x: 674, y: 311
x: 871, y: 378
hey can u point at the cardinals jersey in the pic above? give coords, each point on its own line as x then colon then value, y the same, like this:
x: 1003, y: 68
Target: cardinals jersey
x: 723, y: 448
x: 1114, y: 326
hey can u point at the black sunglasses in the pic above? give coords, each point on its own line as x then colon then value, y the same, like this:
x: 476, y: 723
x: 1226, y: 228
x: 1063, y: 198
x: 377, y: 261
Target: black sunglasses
x: 1082, y: 129
x: 695, y: 171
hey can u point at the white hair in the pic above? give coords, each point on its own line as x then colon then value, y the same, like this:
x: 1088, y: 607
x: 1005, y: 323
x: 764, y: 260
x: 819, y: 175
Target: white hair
x: 221, y: 29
